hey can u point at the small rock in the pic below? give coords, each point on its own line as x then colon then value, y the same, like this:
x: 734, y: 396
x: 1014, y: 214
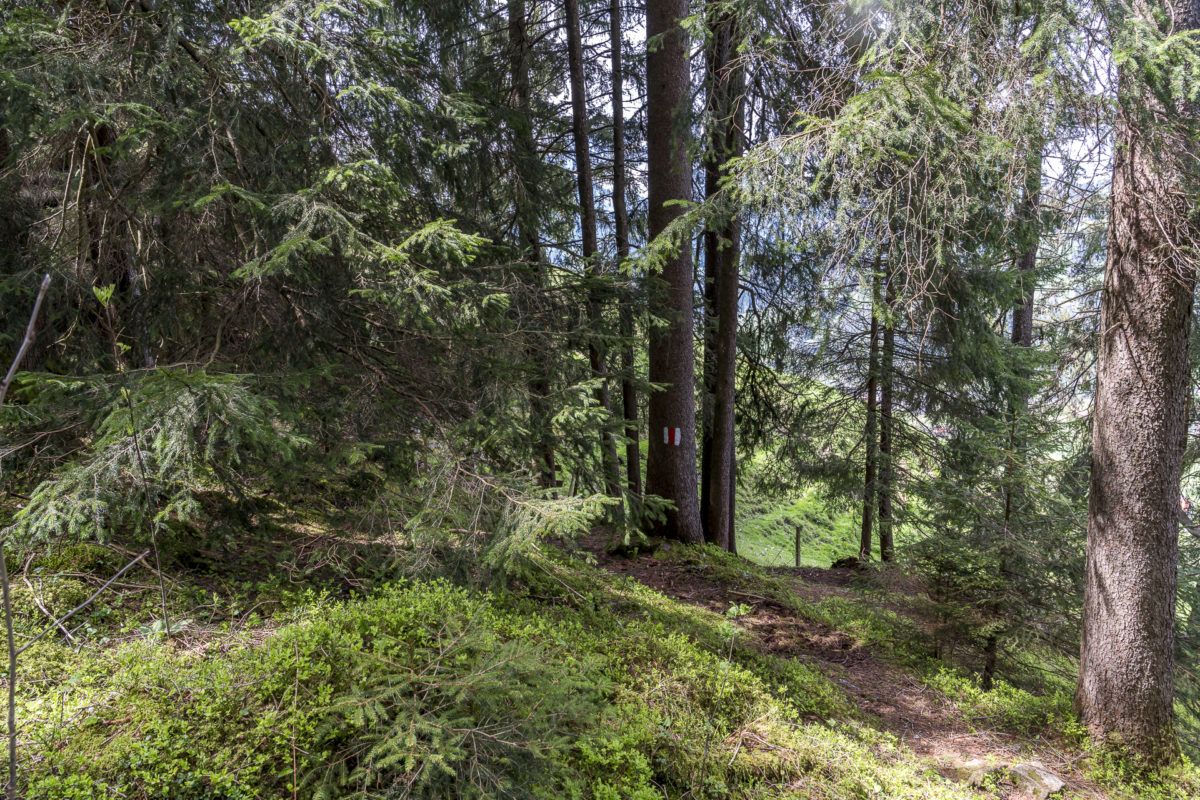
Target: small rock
x: 1036, y: 779
x: 974, y: 772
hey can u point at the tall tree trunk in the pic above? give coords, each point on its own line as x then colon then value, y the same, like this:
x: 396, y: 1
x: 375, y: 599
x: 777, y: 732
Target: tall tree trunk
x: 727, y: 117
x: 525, y: 152
x: 629, y: 409
x: 887, y: 471
x: 671, y: 467
x: 708, y: 374
x: 1022, y: 336
x: 731, y: 542
x: 870, y: 434
x: 591, y: 255
x: 1140, y: 424
x: 1022, y: 329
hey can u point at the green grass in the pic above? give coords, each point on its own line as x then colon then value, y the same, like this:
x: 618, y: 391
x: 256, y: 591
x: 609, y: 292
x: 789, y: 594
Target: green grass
x: 766, y: 531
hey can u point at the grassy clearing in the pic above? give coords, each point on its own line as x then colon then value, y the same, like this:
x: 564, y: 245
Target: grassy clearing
x: 766, y: 531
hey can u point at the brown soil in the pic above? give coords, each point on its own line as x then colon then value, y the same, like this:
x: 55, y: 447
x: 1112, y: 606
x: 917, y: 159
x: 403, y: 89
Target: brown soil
x: 924, y: 720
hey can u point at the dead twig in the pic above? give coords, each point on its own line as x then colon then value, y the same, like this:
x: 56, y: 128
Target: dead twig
x: 12, y: 369
x: 37, y: 601
x: 74, y: 610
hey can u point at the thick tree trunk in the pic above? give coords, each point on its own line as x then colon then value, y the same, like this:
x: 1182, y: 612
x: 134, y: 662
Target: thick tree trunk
x: 721, y: 257
x: 870, y: 434
x: 629, y: 409
x: 1139, y: 428
x: 587, y: 218
x: 887, y: 471
x: 525, y: 152
x: 671, y: 467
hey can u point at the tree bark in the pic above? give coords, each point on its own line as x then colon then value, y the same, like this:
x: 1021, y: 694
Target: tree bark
x: 731, y: 542
x: 887, y: 470
x: 629, y: 409
x: 587, y: 218
x: 525, y: 152
x: 870, y: 434
x: 1124, y: 693
x: 1022, y: 330
x: 721, y: 257
x: 670, y: 468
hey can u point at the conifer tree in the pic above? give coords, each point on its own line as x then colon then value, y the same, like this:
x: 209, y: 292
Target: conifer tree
x: 1125, y: 691
x: 525, y: 157
x: 629, y: 402
x: 726, y: 120
x: 671, y: 466
x: 870, y: 435
x: 887, y: 383
x: 597, y: 356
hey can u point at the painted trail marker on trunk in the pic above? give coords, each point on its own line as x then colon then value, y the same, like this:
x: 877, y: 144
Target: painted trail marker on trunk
x: 672, y: 436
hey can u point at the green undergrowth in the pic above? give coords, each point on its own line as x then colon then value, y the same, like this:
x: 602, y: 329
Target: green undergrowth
x: 569, y: 683
x: 1010, y: 708
x: 577, y: 684
x: 1125, y: 775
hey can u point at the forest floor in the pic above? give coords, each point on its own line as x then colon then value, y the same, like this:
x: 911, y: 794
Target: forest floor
x: 314, y: 659
x: 897, y: 700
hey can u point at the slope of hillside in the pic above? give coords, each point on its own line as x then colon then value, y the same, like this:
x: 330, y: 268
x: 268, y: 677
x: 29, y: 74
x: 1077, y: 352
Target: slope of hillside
x: 767, y: 531
x: 686, y: 673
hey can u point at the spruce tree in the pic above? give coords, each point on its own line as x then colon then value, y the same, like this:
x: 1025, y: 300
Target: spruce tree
x: 671, y: 466
x: 1125, y: 691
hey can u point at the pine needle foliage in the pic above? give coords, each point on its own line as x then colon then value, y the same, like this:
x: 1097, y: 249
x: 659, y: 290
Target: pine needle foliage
x: 528, y: 521
x: 480, y: 718
x: 160, y: 436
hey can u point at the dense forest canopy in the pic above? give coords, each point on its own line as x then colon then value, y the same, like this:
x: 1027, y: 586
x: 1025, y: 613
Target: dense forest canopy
x: 910, y: 280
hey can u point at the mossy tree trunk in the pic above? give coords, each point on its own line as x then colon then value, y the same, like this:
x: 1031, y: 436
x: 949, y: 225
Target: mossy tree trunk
x: 1139, y: 428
